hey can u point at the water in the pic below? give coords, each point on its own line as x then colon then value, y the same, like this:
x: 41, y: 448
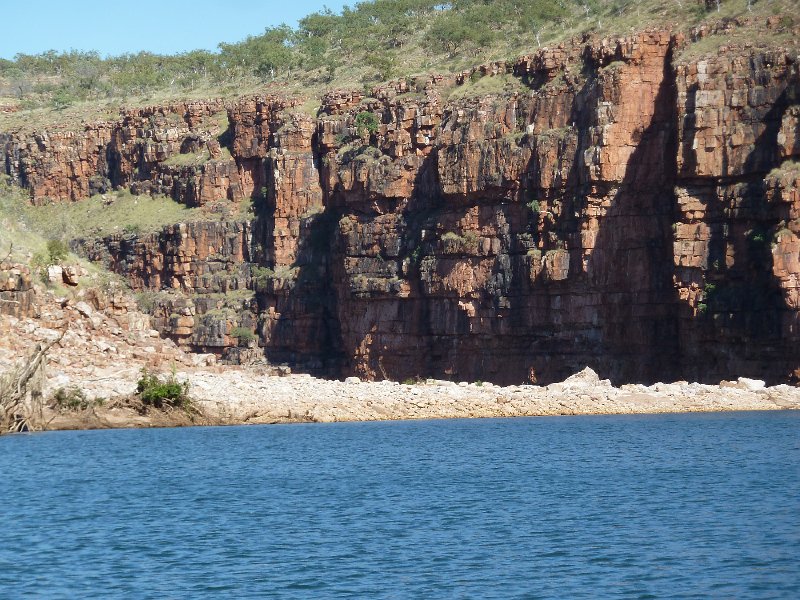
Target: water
x: 634, y: 507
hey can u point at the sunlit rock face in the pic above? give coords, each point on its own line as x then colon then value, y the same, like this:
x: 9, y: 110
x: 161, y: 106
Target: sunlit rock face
x: 616, y: 206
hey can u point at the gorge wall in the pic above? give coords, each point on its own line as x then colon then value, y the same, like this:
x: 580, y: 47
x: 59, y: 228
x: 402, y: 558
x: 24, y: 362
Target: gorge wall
x: 613, y: 204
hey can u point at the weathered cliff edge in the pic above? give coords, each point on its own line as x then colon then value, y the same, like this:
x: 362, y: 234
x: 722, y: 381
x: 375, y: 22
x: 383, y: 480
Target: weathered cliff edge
x: 618, y: 206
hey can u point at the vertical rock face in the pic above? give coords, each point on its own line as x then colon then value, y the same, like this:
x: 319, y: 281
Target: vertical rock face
x: 735, y: 238
x: 172, y: 150
x: 617, y: 205
x: 58, y: 164
x: 547, y: 244
x: 205, y: 264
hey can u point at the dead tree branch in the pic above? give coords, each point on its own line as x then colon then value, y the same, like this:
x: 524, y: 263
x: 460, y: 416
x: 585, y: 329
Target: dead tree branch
x: 16, y: 412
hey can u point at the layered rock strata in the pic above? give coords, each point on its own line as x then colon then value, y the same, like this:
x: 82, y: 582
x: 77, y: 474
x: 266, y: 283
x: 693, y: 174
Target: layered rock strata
x: 614, y: 203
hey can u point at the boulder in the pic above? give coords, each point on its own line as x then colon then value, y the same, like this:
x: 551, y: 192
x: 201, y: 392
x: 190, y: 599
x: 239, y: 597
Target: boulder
x: 84, y: 309
x: 55, y: 274
x: 752, y: 385
x: 70, y: 275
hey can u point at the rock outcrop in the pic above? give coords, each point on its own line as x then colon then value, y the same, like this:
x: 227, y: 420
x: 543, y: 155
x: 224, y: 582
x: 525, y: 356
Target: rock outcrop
x: 614, y: 204
x: 172, y: 150
x: 16, y: 291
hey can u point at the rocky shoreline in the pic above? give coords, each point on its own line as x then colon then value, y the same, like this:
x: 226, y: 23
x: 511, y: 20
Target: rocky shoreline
x: 107, y: 343
x: 237, y: 396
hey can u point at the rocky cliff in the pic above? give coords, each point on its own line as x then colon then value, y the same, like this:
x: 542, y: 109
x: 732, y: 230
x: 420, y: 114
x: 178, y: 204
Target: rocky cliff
x: 614, y: 203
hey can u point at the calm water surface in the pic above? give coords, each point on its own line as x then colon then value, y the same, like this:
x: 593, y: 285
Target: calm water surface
x: 635, y: 507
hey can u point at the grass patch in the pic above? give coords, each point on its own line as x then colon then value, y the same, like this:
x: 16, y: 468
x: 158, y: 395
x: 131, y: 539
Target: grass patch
x: 188, y: 160
x: 485, y: 86
x: 711, y: 45
x: 121, y: 212
x: 148, y: 301
x: 36, y: 235
x: 452, y: 243
x: 196, y: 160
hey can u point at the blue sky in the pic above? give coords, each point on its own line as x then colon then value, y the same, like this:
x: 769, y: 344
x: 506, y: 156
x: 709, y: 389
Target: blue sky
x: 161, y: 26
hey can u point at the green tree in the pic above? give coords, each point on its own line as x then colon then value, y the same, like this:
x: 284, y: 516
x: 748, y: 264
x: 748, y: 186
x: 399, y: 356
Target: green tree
x: 366, y: 124
x: 56, y: 251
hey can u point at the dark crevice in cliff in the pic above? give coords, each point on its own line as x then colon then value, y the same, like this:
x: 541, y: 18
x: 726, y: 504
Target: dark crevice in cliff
x: 298, y: 313
x: 420, y: 218
x: 630, y: 264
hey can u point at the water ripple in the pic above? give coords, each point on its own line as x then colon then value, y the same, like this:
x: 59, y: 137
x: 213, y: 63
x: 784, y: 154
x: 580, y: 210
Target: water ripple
x: 680, y: 506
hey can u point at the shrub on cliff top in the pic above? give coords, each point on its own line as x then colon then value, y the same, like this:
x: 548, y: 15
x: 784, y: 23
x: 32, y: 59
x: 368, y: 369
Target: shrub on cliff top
x: 373, y: 39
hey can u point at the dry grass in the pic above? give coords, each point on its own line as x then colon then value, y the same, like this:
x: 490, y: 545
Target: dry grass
x: 487, y: 85
x: 29, y: 227
x: 416, y: 57
x: 712, y: 45
x: 196, y: 160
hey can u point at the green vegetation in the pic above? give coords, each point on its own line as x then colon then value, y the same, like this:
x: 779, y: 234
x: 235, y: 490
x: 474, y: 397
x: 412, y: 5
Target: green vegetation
x: 149, y: 300
x: 158, y: 392
x: 757, y: 238
x: 710, y: 45
x: 363, y: 44
x: 243, y: 334
x: 39, y: 242
x: 483, y: 86
x: 116, y: 212
x: 56, y: 251
x: 263, y: 275
x: 460, y: 244
x: 416, y: 255
x: 366, y: 124
x: 195, y: 160
x: 72, y: 398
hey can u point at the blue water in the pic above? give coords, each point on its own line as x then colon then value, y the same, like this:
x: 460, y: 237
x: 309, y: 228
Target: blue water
x: 633, y: 507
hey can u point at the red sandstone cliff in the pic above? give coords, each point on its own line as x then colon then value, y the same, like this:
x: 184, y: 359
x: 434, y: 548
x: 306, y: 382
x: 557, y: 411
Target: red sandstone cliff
x: 621, y: 207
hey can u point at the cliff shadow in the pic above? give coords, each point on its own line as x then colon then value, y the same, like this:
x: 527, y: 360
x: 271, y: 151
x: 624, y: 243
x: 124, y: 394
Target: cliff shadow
x: 631, y: 263
x: 297, y: 322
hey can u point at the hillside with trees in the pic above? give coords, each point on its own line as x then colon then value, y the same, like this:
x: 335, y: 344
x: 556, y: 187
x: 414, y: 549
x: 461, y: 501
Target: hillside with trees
x: 370, y: 42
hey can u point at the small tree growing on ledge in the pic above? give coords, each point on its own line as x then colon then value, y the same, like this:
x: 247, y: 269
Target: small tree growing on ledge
x: 243, y: 335
x: 56, y: 251
x: 366, y: 124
